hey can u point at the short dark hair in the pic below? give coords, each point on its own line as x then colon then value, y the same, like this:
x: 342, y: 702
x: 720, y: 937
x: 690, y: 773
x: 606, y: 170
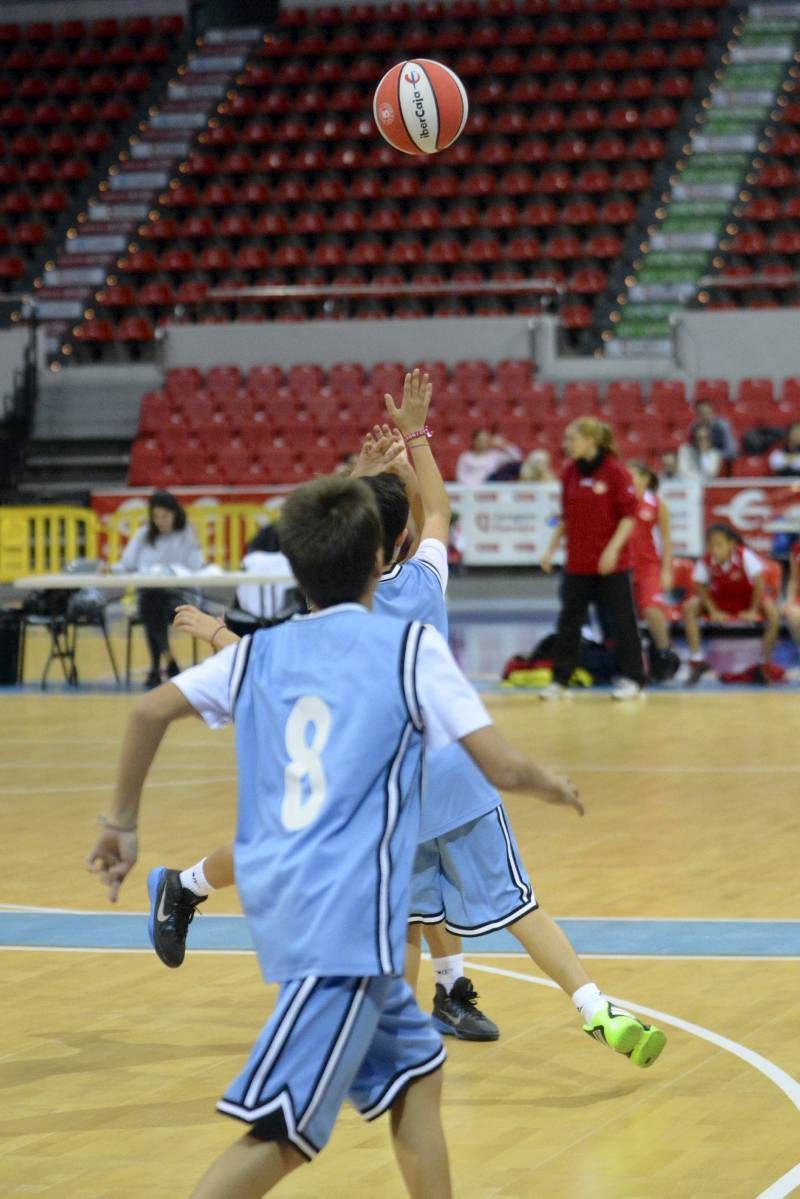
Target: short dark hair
x: 330, y: 530
x: 726, y: 531
x: 164, y: 499
x: 393, y: 507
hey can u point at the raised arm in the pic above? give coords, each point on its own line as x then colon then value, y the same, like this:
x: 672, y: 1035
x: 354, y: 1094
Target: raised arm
x: 411, y: 418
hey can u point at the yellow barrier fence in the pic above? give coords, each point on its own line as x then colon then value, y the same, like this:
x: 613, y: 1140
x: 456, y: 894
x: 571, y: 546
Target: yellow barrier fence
x: 42, y: 540
x: 223, y: 530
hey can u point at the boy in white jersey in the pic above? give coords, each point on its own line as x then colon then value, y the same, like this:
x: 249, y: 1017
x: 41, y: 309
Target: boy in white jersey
x: 324, y: 849
x: 468, y: 872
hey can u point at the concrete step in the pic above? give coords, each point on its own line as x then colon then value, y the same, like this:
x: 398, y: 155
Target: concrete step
x: 781, y: 52
x: 178, y: 120
x: 715, y: 143
x: 683, y: 241
x: 93, y: 276
x: 105, y: 244
x: 659, y: 292
x: 138, y: 180
x: 197, y: 91
x: 109, y: 211
x: 639, y: 347
x: 96, y: 228
x: 61, y: 310
x: 705, y: 191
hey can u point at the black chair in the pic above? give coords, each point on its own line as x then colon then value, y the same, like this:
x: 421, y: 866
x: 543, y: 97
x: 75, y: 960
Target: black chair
x: 63, y: 613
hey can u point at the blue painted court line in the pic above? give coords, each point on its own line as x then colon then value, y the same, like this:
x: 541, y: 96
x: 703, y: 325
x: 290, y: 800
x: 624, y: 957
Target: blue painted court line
x: 623, y: 938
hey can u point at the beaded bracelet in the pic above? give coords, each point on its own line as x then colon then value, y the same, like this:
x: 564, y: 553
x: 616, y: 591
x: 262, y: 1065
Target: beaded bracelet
x: 423, y: 432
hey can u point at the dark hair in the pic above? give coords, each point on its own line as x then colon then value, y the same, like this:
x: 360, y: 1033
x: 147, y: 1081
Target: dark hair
x: 644, y: 469
x: 726, y: 531
x: 164, y: 499
x: 330, y: 530
x: 266, y: 540
x: 392, y: 501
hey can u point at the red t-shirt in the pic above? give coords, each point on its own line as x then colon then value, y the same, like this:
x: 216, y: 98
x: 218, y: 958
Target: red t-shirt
x: 591, y: 507
x: 730, y: 584
x: 644, y: 548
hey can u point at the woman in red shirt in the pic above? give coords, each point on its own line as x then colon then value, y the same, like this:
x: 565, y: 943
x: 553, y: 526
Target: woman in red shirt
x: 598, y: 512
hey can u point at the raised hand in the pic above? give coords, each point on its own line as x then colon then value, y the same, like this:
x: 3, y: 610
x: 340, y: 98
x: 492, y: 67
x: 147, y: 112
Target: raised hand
x: 380, y: 453
x: 413, y: 411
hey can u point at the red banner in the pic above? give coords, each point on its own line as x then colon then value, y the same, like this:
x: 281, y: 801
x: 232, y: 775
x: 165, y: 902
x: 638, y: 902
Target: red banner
x: 756, y: 508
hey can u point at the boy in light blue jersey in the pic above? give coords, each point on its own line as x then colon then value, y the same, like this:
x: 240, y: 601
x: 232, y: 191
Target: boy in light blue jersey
x: 468, y: 876
x: 330, y: 712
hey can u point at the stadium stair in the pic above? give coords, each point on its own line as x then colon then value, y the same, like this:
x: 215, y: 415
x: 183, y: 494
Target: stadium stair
x: 126, y: 197
x: 708, y: 181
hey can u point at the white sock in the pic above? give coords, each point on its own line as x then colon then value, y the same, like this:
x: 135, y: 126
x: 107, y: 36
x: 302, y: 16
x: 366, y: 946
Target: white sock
x: 698, y: 657
x: 448, y: 970
x: 587, y: 1000
x: 194, y: 879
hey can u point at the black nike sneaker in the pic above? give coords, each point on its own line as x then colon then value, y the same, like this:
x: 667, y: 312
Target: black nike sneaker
x: 458, y: 1015
x: 172, y: 910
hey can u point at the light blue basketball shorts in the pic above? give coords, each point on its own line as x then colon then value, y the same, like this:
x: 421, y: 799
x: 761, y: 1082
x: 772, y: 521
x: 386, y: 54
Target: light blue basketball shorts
x: 331, y: 1039
x: 472, y: 878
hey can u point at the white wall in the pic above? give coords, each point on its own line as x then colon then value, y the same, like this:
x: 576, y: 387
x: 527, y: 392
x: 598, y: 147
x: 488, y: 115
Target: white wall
x: 328, y: 342
x: 738, y: 344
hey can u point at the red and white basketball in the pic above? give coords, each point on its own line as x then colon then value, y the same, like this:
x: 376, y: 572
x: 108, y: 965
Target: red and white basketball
x: 420, y: 106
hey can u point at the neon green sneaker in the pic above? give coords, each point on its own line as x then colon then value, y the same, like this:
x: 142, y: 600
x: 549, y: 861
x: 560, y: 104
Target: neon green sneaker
x: 621, y: 1031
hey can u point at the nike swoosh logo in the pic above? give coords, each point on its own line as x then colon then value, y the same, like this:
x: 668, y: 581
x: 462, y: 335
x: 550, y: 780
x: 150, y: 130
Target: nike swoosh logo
x: 161, y: 915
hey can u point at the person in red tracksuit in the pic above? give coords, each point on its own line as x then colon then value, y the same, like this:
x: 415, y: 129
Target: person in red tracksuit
x: 651, y: 568
x: 598, y: 512
x: 730, y: 586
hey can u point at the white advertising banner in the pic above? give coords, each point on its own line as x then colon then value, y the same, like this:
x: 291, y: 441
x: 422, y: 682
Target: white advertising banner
x: 684, y: 499
x: 510, y: 524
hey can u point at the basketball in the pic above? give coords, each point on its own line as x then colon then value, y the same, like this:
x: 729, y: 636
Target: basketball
x: 420, y: 106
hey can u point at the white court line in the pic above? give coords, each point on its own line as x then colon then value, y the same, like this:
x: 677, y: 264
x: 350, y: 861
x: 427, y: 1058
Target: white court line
x: 784, y: 1082
x: 785, y: 1185
x: 32, y: 790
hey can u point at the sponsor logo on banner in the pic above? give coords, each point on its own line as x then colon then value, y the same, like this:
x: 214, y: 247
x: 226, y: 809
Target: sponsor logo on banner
x: 755, y: 512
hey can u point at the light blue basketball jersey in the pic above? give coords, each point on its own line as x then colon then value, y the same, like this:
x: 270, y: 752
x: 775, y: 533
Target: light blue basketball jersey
x: 329, y: 747
x: 456, y: 791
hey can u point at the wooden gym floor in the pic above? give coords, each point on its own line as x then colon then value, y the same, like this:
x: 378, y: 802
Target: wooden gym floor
x: 110, y: 1065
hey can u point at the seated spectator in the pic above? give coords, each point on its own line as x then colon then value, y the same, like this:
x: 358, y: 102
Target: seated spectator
x: 536, y: 468
x: 730, y: 586
x: 167, y: 540
x: 723, y: 437
x: 699, y: 459
x: 669, y: 465
x: 263, y: 557
x: 486, y: 458
x: 785, y: 459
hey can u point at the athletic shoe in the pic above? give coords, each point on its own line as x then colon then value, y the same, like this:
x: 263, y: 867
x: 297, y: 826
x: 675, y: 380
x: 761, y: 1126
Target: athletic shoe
x: 172, y: 668
x: 664, y: 665
x: 554, y: 691
x: 760, y: 677
x: 172, y: 910
x: 153, y: 680
x: 457, y: 1014
x: 626, y: 689
x: 624, y: 1033
x: 696, y: 672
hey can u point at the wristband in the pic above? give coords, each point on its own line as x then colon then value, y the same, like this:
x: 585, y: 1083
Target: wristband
x: 219, y: 627
x: 423, y: 432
